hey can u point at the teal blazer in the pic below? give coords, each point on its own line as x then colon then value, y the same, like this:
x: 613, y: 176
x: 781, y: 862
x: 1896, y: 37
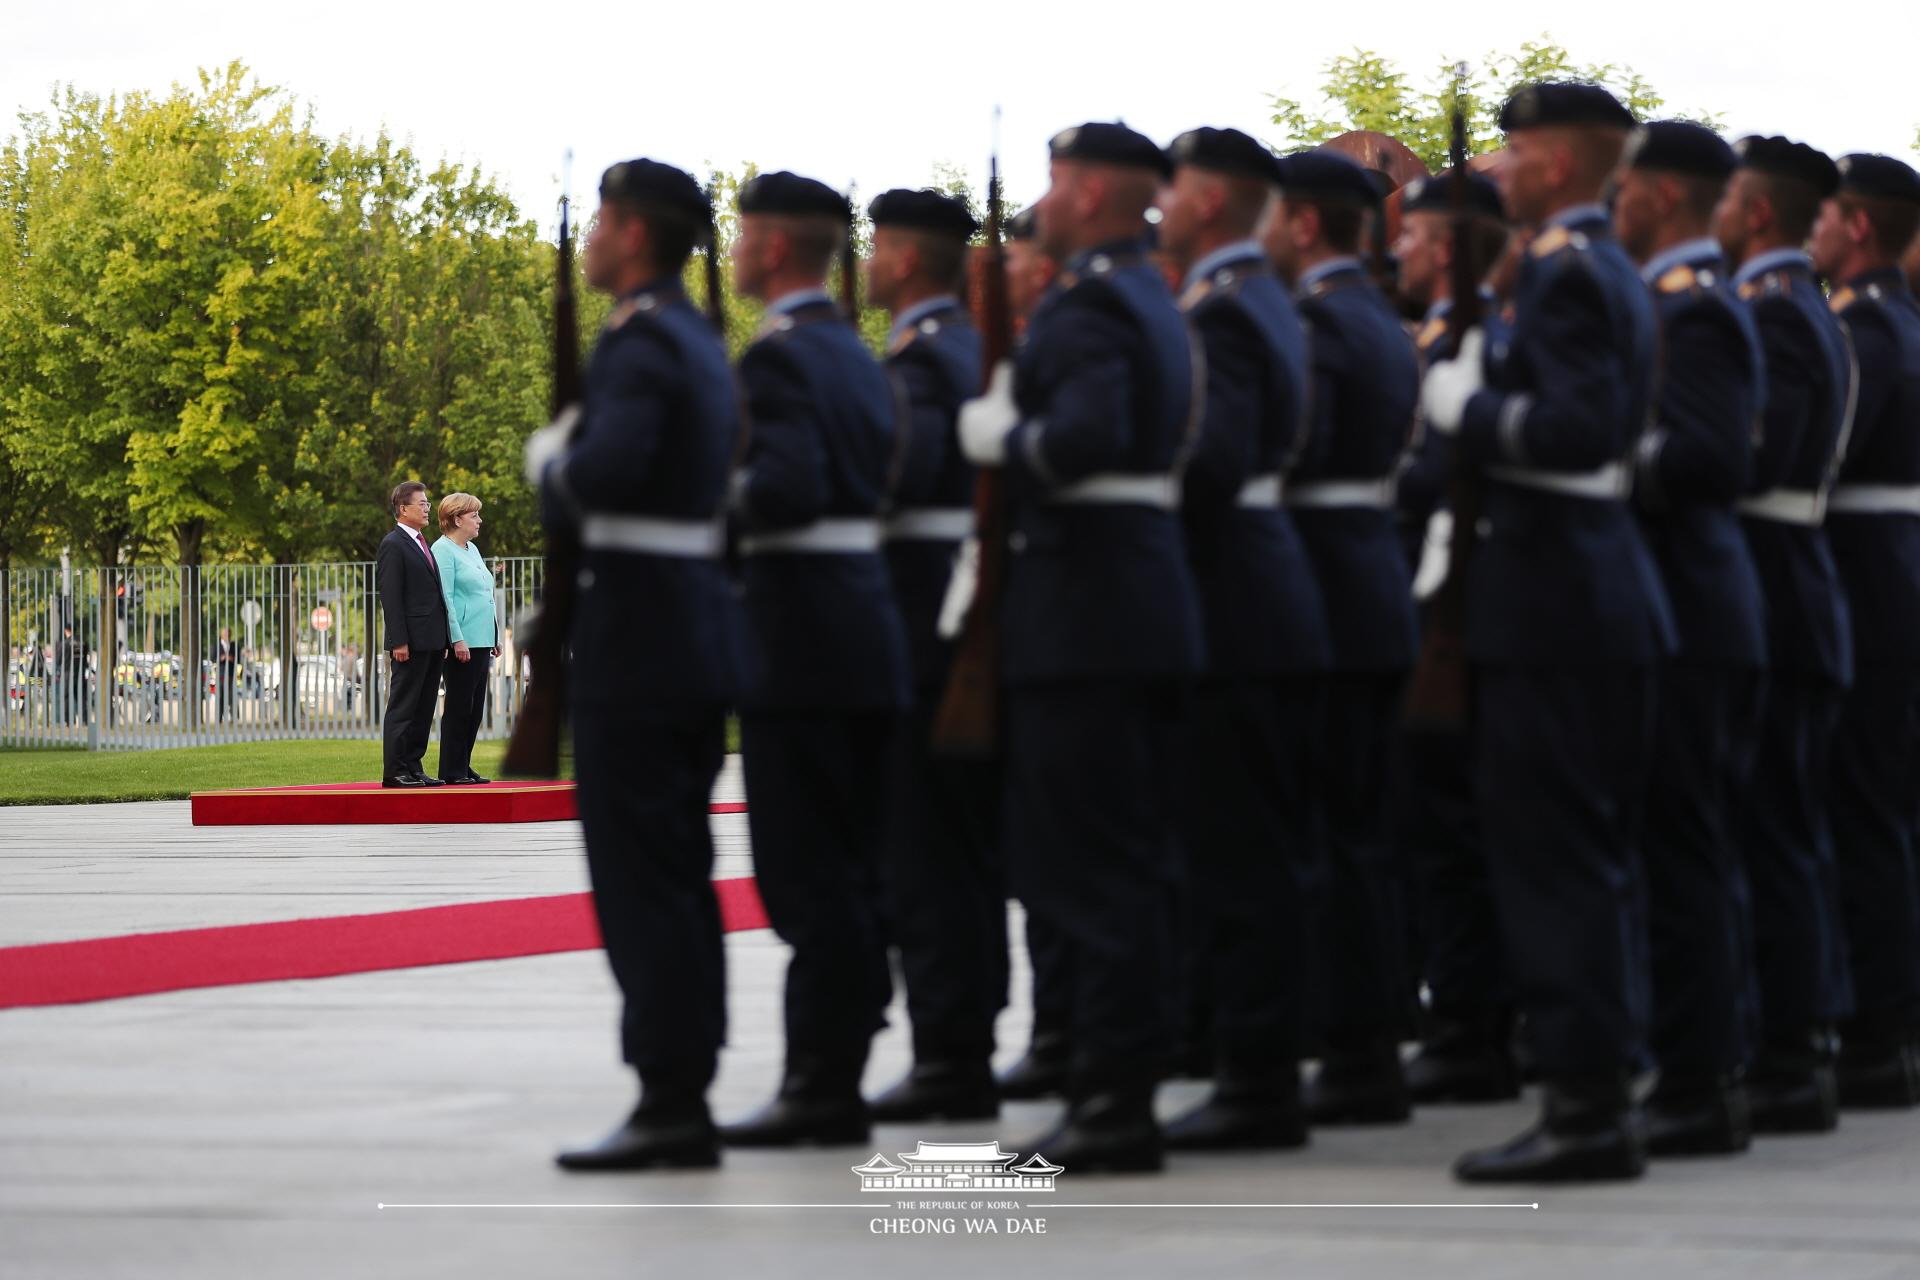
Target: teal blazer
x: 468, y: 587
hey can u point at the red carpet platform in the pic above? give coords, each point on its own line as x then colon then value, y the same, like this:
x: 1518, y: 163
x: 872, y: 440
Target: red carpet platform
x: 355, y: 803
x: 143, y: 963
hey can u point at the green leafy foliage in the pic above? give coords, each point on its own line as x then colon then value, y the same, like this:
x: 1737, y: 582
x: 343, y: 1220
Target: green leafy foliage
x: 1366, y: 90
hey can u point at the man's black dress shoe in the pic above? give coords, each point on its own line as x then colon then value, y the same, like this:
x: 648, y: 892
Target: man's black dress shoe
x: 676, y: 1138
x: 1111, y: 1132
x: 428, y: 780
x: 404, y: 780
x: 1699, y: 1117
x: 465, y: 780
x: 1361, y: 1087
x: 1042, y: 1073
x: 1248, y: 1111
x: 939, y: 1091
x: 1587, y: 1132
x: 819, y: 1105
x: 1460, y: 1063
x: 1879, y: 1074
x: 1792, y: 1085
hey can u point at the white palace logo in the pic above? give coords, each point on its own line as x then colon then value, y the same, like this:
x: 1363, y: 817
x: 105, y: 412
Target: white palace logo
x: 957, y: 1166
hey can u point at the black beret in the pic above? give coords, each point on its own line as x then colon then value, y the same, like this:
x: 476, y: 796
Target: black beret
x: 1563, y: 102
x: 1875, y: 175
x: 791, y: 194
x: 1785, y: 159
x: 654, y: 183
x: 1325, y: 174
x: 1680, y: 146
x: 1109, y: 144
x: 1435, y: 195
x: 923, y: 210
x: 1024, y: 225
x: 1223, y: 151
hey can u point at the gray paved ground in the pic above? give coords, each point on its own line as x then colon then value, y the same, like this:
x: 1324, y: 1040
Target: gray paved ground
x: 252, y: 1131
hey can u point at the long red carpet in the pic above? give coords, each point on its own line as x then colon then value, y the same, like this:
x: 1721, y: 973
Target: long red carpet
x: 360, y: 803
x: 143, y: 963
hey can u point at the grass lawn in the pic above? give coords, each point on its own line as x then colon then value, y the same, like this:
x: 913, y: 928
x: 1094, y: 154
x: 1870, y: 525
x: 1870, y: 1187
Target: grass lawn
x: 65, y: 776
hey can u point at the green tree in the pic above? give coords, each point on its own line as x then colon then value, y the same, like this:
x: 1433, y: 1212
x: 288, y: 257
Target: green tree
x: 1366, y: 90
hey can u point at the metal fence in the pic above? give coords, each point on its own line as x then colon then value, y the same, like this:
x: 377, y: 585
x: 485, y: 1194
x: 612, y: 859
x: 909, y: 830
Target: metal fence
x: 139, y: 657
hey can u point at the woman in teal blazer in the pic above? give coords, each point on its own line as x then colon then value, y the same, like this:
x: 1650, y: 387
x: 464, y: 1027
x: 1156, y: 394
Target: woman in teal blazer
x: 467, y: 584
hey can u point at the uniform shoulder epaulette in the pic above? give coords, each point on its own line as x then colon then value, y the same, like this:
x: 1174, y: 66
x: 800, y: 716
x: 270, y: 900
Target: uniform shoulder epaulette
x: 1555, y: 239
x: 640, y: 304
x: 1842, y: 299
x: 1679, y: 279
x: 1771, y: 284
x: 1431, y: 332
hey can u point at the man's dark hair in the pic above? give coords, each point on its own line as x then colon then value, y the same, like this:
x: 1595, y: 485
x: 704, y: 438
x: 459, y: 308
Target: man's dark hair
x: 403, y: 494
x: 1341, y: 222
x: 1894, y: 222
x: 1795, y: 204
x: 673, y: 234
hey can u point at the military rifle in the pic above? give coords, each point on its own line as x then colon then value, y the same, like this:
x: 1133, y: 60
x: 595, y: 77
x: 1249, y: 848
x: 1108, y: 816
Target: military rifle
x: 968, y: 722
x: 1438, y: 697
x: 534, y: 749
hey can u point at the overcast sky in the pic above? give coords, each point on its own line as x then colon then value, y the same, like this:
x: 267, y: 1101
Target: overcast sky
x: 855, y: 91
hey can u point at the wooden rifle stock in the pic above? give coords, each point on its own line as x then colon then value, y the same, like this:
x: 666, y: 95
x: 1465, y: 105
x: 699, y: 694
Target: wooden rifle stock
x: 967, y: 724
x: 534, y: 749
x: 1439, y: 696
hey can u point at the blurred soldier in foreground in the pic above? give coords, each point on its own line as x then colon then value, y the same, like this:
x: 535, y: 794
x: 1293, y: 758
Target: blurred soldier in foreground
x: 1365, y: 384
x: 1566, y: 619
x: 1101, y: 629
x: 1254, y: 723
x: 827, y: 668
x: 946, y: 896
x: 1689, y: 471
x: 1799, y: 985
x: 1873, y: 520
x: 643, y: 482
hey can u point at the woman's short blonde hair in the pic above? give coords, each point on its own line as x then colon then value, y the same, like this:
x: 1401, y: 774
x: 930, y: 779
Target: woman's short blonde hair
x: 453, y: 506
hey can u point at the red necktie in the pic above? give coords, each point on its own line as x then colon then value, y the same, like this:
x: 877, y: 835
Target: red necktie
x: 431, y: 566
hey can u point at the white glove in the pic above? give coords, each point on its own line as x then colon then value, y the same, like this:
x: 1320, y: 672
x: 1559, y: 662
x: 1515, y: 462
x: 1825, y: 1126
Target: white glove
x: 986, y: 420
x: 548, y: 443
x: 1451, y: 383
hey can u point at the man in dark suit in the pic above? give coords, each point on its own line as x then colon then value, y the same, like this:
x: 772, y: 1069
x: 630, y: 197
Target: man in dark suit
x: 416, y: 615
x: 225, y: 663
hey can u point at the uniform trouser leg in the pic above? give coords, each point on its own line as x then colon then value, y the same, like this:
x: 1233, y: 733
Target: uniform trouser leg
x: 1875, y: 780
x: 466, y: 702
x: 645, y: 784
x: 1706, y: 717
x: 1092, y: 847
x: 1249, y: 850
x: 1364, y: 921
x: 1462, y: 963
x: 1050, y: 954
x: 946, y: 894
x: 1785, y: 839
x: 1561, y: 764
x: 409, y: 718
x: 815, y: 783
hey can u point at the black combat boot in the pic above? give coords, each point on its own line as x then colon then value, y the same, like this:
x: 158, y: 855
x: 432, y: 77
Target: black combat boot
x: 1254, y: 1107
x: 819, y: 1105
x: 668, y: 1130
x: 940, y: 1089
x: 1587, y: 1132
x: 1107, y: 1130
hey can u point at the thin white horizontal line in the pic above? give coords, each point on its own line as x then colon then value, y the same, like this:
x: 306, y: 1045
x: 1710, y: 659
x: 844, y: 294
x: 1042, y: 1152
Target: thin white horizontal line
x: 876, y: 1205
x: 384, y: 1205
x: 1123, y: 1204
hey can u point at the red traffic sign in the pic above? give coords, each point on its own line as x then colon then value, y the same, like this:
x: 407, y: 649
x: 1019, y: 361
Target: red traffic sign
x: 322, y: 617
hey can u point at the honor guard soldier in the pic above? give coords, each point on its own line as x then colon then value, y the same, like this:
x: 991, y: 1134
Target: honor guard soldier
x: 643, y: 484
x: 1873, y: 520
x: 1465, y: 1053
x: 1690, y: 470
x: 1366, y: 384
x: 1042, y: 1071
x: 1254, y: 720
x: 1799, y: 982
x: 1101, y: 628
x: 946, y: 893
x: 826, y: 670
x: 1566, y: 619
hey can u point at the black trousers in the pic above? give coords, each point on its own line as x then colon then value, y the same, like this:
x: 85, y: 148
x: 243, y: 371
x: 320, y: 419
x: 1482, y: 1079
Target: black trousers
x: 645, y: 785
x: 460, y: 718
x: 409, y: 719
x: 815, y: 808
x: 946, y: 893
x: 1092, y: 846
x: 1704, y: 738
x: 1561, y: 758
x: 1250, y: 848
x: 1876, y: 839
x: 1456, y: 930
x: 1363, y: 917
x: 1051, y: 956
x: 1786, y: 841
